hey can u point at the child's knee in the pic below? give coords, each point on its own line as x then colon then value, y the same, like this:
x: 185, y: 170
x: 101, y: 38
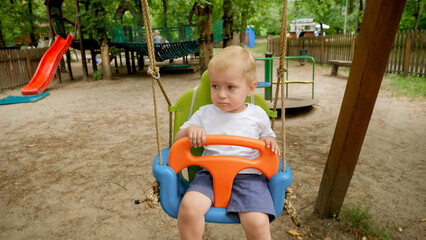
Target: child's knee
x: 194, y: 204
x: 255, y: 224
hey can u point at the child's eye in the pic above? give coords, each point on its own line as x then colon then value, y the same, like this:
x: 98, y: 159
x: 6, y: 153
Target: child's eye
x: 231, y: 87
x: 214, y: 86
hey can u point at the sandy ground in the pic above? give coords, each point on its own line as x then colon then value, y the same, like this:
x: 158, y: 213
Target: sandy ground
x: 72, y: 164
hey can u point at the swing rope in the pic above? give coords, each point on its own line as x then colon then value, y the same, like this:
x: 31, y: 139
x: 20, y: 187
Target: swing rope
x: 281, y: 70
x: 152, y: 197
x: 280, y: 83
x: 154, y: 72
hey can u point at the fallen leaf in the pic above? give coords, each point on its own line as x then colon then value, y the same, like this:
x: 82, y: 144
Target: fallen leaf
x: 424, y: 220
x: 294, y: 232
x: 400, y: 229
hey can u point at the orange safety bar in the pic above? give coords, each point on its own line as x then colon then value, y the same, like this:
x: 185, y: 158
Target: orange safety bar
x: 224, y: 168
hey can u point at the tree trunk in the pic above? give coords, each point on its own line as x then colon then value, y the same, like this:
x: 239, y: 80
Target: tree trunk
x: 227, y: 23
x: 351, y: 7
x: 165, y: 12
x: 205, y: 28
x: 358, y: 22
x: 350, y: 11
x: 419, y: 15
x: 2, y: 43
x: 243, y: 24
x: 106, y: 65
x: 32, y: 35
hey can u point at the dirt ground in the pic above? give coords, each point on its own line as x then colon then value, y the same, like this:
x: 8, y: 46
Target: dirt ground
x: 73, y: 163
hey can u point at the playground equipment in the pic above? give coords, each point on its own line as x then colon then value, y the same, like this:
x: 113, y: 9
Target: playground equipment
x: 47, y: 67
x: 268, y: 82
x: 172, y: 184
x: 178, y: 41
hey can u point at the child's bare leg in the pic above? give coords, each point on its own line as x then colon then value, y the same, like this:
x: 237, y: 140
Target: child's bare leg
x: 192, y: 209
x: 255, y: 225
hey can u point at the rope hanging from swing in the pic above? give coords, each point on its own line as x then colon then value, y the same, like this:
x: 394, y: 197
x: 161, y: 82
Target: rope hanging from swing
x: 281, y: 70
x: 154, y: 72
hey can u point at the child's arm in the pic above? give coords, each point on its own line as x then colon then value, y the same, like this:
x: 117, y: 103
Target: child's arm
x: 272, y: 144
x: 197, y: 135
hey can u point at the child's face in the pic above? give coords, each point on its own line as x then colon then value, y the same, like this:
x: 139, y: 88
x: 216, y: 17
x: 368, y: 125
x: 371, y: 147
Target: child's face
x: 229, y: 90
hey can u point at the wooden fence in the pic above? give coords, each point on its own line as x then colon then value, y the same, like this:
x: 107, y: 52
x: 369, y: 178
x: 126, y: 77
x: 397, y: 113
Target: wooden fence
x: 17, y: 66
x: 407, y: 56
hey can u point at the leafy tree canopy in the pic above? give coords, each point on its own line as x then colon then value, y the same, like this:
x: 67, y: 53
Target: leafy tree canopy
x: 265, y: 16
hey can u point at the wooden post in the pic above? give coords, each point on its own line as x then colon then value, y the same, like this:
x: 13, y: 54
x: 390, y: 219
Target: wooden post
x: 80, y: 35
x: 407, y: 55
x: 322, y: 50
x: 49, y: 19
x: 379, y: 26
x: 227, y: 23
x: 351, y: 57
x: 94, y: 64
x: 29, y: 64
x: 68, y: 54
x: 127, y: 55
x: 132, y: 54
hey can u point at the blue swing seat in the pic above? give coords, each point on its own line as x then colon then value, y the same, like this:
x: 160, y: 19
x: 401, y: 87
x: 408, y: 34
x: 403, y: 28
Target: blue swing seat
x: 173, y: 186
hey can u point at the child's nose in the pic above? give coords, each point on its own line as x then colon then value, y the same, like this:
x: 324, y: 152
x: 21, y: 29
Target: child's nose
x: 222, y: 93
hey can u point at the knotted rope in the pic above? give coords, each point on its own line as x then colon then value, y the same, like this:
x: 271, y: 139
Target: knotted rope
x: 152, y: 197
x: 281, y: 70
x: 154, y: 72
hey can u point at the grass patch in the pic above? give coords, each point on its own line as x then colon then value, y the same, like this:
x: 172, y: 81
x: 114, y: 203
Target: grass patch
x: 358, y: 220
x: 97, y: 75
x: 411, y: 86
x: 260, y: 46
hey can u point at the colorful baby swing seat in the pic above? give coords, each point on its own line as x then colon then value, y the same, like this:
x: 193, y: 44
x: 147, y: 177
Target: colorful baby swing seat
x: 172, y: 183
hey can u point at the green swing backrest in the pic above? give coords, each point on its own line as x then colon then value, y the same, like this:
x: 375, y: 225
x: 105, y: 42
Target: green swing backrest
x: 201, y: 97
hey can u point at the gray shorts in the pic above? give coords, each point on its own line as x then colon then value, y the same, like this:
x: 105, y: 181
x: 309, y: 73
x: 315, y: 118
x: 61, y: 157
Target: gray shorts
x: 250, y: 193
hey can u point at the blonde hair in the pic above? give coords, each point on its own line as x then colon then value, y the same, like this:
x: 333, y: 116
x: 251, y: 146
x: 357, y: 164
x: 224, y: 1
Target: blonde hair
x: 235, y: 57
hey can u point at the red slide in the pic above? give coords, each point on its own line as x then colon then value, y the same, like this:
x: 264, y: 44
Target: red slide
x: 47, y: 67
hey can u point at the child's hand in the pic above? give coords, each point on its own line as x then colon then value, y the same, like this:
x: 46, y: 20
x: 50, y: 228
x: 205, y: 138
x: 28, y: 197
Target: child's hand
x: 272, y: 144
x: 197, y: 136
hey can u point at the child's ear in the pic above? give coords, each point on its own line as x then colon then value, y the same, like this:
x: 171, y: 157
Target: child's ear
x: 252, y: 87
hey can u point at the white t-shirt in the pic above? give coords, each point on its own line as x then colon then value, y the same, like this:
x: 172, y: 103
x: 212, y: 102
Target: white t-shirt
x: 252, y: 122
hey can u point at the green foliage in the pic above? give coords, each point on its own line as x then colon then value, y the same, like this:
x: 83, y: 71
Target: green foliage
x: 264, y: 15
x: 97, y: 75
x: 98, y: 17
x: 410, y: 15
x: 357, y: 219
x: 113, y: 50
x: 411, y: 86
x: 15, y: 19
x: 267, y: 18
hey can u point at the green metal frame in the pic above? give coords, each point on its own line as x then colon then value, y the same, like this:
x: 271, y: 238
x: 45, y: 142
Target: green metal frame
x: 269, y: 70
